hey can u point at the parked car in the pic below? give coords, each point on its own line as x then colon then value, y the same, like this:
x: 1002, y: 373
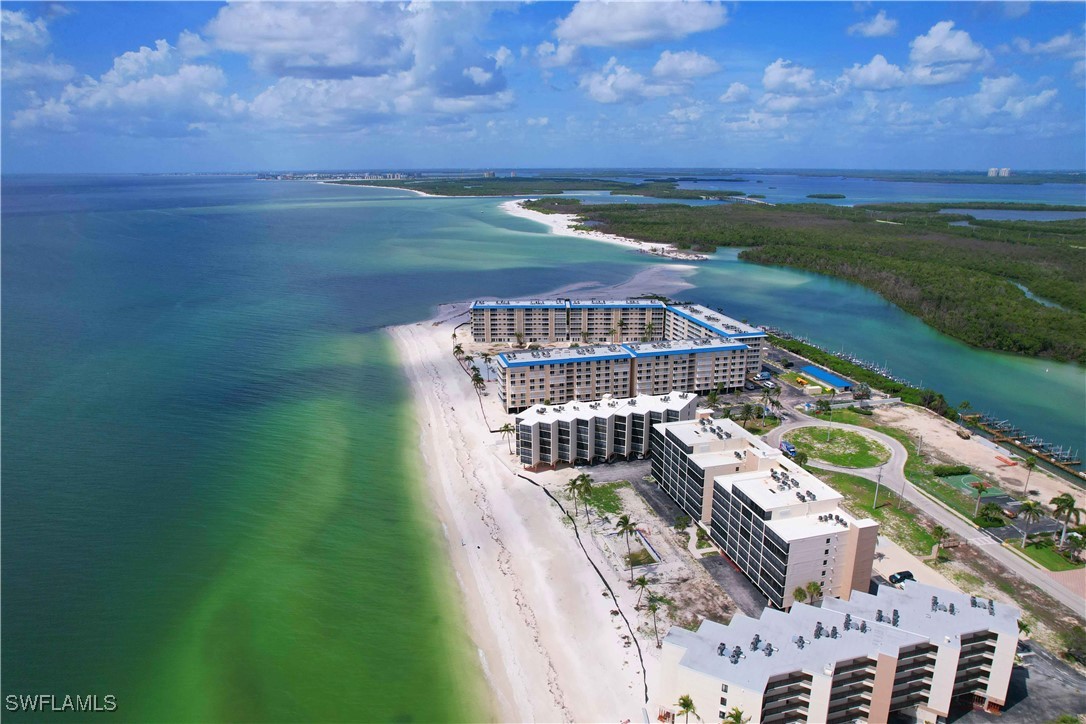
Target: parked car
x: 762, y: 376
x: 768, y: 385
x: 749, y: 386
x: 900, y: 576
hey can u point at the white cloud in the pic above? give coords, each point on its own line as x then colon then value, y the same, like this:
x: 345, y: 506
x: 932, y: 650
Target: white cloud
x: 540, y: 121
x: 999, y: 99
x: 945, y: 55
x: 757, y: 121
x: 1013, y: 9
x: 876, y: 27
x: 616, y: 83
x: 684, y: 65
x: 876, y: 75
x: 502, y: 57
x: 1066, y: 45
x: 191, y: 45
x: 599, y: 23
x: 41, y: 71
x: 550, y: 55
x: 17, y: 28
x: 478, y: 75
x: 783, y: 76
x: 146, y: 88
x: 736, y: 93
x: 316, y: 40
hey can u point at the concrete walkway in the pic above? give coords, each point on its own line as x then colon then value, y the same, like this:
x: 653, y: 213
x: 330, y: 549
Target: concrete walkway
x: 893, y: 477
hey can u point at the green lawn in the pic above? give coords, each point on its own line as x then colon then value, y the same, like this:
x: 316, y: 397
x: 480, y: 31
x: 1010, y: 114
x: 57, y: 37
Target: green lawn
x: 604, y: 497
x: 839, y: 447
x: 897, y: 518
x: 1049, y: 558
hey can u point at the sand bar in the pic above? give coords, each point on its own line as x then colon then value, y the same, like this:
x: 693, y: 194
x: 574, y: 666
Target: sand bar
x: 564, y: 224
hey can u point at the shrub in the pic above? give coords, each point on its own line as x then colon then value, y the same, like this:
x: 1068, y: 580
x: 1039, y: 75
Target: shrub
x: 860, y: 410
x: 946, y: 470
x: 1074, y: 644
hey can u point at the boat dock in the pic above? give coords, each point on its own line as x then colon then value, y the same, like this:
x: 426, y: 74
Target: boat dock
x: 1004, y: 431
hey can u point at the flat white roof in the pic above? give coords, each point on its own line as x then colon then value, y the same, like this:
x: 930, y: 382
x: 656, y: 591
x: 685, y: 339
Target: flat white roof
x: 926, y: 609
x: 682, y: 346
x: 555, y: 355
x: 717, y: 322
x: 570, y: 411
x: 776, y: 484
x: 778, y: 649
x: 711, y: 649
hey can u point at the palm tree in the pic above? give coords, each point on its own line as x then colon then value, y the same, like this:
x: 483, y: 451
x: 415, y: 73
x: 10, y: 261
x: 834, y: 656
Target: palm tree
x: 767, y: 397
x: 686, y: 706
x: 458, y: 349
x: 507, y: 431
x: 746, y: 414
x: 939, y: 533
x: 573, y: 489
x: 800, y: 594
x: 653, y: 608
x: 486, y: 362
x: 621, y: 329
x: 1030, y: 512
x: 712, y: 399
x: 612, y: 332
x: 963, y: 408
x: 641, y: 583
x: 814, y: 590
x: 1029, y: 464
x: 1065, y: 507
x: 586, y: 491
x: 520, y: 338
x: 466, y: 360
x: 626, y: 527
x: 736, y: 716
x: 1074, y: 545
x: 800, y: 458
x: 990, y: 512
x: 981, y: 486
x: 649, y: 329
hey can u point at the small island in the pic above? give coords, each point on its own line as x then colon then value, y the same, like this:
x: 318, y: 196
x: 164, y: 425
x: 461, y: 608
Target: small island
x: 825, y: 196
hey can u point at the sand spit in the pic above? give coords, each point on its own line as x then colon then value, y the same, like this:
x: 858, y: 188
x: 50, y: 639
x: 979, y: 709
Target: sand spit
x: 564, y: 224
x: 397, y: 188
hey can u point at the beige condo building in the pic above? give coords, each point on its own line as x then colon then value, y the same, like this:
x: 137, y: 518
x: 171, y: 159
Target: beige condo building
x: 682, y: 348
x: 781, y: 526
x: 919, y: 651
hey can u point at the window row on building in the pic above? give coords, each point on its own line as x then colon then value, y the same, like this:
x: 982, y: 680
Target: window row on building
x: 604, y: 431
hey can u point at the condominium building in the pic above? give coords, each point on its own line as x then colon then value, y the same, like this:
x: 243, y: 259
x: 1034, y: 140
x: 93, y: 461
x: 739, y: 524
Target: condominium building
x: 783, y: 527
x: 917, y: 650
x: 596, y: 432
x: 567, y: 320
x: 683, y: 347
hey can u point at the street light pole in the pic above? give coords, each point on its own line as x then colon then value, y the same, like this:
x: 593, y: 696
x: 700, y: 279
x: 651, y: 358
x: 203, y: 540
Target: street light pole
x: 878, y: 483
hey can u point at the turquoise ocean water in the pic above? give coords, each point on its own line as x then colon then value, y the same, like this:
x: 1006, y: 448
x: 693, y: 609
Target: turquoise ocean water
x: 210, y: 507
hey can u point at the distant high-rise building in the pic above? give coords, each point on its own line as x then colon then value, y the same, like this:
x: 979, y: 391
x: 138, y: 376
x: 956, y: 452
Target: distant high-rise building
x: 992, y: 172
x: 1004, y: 172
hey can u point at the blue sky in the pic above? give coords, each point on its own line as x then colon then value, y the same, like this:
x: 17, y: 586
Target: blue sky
x: 116, y: 87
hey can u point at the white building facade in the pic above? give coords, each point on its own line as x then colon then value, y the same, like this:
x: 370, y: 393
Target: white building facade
x: 596, y: 432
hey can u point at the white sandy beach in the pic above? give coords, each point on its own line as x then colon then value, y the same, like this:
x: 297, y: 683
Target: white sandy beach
x: 564, y: 224
x: 550, y: 646
x: 397, y: 188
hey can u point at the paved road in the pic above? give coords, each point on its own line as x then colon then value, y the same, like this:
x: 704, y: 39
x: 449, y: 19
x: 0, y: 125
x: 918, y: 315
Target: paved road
x: 893, y: 477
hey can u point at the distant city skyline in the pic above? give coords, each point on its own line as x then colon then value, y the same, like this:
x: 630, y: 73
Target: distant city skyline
x: 203, y: 87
